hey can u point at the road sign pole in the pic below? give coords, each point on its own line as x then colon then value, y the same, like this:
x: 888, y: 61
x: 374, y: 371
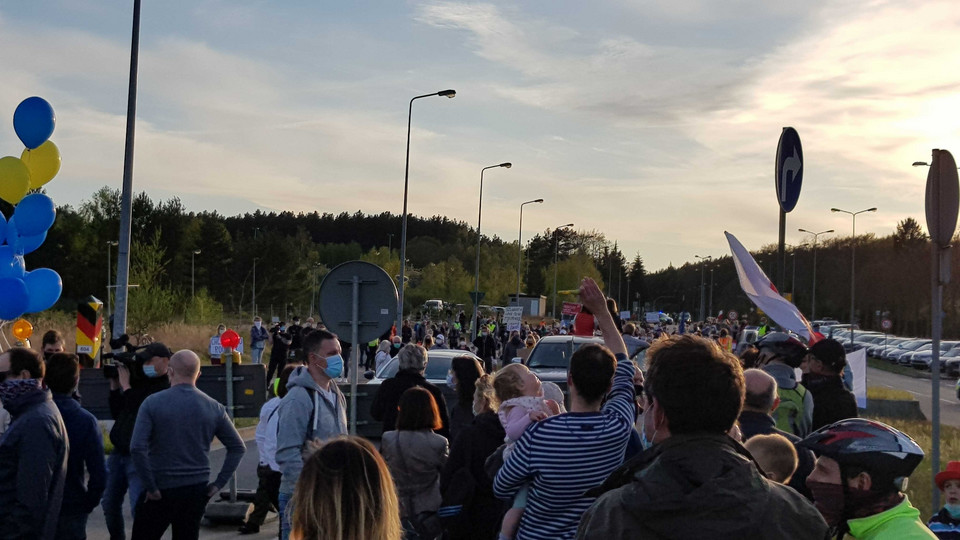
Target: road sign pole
x: 781, y: 252
x: 937, y: 321
x: 355, y: 363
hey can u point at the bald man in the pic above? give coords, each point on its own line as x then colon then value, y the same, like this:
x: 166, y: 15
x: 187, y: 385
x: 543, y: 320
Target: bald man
x: 755, y: 419
x: 170, y: 442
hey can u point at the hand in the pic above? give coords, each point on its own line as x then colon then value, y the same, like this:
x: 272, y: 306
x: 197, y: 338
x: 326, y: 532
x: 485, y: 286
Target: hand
x: 591, y: 296
x: 537, y: 416
x: 212, y: 490
x: 153, y: 495
x: 553, y: 406
x: 124, y: 376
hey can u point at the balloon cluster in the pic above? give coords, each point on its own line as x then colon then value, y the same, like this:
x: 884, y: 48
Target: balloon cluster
x: 22, y: 291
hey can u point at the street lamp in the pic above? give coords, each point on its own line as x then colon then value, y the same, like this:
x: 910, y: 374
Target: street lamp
x: 192, y: 255
x: 110, y: 244
x: 520, y: 245
x: 476, y: 287
x: 710, y: 310
x: 556, y: 257
x: 853, y: 260
x: 923, y: 164
x: 703, y: 261
x: 406, y: 178
x: 813, y: 295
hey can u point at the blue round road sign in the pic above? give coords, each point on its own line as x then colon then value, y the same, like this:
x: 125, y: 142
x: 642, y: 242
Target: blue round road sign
x: 789, y: 173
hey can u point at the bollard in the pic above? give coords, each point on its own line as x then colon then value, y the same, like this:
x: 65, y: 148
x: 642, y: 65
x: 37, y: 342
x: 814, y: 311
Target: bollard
x: 89, y: 326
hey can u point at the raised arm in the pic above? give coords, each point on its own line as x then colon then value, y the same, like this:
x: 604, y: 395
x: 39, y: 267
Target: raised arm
x: 592, y: 298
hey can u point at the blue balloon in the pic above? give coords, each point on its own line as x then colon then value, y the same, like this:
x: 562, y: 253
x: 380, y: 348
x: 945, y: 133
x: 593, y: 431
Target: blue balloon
x: 34, y: 214
x: 13, y: 236
x: 34, y: 121
x: 29, y: 244
x: 11, y: 265
x: 44, y: 287
x: 15, y: 297
x: 3, y: 228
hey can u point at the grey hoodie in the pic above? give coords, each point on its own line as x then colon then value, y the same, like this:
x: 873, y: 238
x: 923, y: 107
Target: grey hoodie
x: 304, y: 416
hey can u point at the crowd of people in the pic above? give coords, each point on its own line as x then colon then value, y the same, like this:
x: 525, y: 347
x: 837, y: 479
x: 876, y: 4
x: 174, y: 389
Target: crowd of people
x: 700, y: 443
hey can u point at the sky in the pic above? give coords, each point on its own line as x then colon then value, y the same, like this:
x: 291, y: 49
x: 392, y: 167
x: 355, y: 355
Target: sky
x: 653, y: 122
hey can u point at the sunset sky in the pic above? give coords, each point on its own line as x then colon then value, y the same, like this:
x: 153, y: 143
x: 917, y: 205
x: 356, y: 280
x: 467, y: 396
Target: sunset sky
x: 655, y: 123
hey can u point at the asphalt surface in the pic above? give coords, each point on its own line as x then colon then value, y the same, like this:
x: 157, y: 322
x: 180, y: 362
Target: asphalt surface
x: 922, y: 389
x: 246, y: 479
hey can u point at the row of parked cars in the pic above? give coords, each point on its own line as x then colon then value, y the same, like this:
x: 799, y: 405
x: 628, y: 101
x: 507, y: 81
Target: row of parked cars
x: 905, y: 351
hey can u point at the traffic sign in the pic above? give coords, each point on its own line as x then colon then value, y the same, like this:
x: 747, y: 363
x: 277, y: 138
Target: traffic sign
x: 476, y: 297
x: 732, y: 315
x: 789, y: 169
x: 943, y: 198
x: 886, y: 324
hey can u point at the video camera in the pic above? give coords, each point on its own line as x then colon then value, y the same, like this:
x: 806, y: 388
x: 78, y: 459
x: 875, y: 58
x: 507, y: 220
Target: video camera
x: 127, y: 357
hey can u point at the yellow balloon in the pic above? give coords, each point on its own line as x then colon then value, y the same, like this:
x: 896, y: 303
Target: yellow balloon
x: 22, y: 330
x: 43, y: 163
x: 14, y: 179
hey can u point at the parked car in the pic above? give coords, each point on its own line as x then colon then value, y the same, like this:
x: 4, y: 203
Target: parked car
x: 951, y: 362
x: 550, y: 357
x: 894, y: 354
x: 923, y: 357
x: 876, y: 351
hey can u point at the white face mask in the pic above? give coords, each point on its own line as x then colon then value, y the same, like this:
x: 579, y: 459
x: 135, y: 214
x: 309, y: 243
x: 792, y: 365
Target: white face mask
x: 257, y: 323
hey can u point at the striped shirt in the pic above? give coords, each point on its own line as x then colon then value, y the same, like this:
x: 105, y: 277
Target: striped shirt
x: 564, y: 456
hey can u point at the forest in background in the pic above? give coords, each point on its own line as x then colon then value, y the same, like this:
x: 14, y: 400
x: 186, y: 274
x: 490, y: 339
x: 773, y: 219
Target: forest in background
x: 293, y: 252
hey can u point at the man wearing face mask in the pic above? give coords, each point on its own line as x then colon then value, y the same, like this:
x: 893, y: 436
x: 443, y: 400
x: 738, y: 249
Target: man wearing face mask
x: 693, y: 480
x: 33, y: 451
x: 258, y: 339
x: 859, y: 478
x: 313, y: 410
x: 486, y: 347
x: 127, y: 393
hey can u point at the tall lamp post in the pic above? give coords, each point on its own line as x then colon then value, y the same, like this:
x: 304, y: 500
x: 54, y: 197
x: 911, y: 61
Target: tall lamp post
x: 193, y: 255
x: 703, y: 262
x: 813, y: 295
x: 710, y: 311
x: 476, y: 286
x: 853, y: 260
x: 556, y: 260
x: 110, y: 244
x: 520, y: 245
x: 406, y: 180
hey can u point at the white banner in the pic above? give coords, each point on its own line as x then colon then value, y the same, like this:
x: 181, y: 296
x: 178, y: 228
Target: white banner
x: 216, y: 350
x: 512, y: 317
x: 857, y: 361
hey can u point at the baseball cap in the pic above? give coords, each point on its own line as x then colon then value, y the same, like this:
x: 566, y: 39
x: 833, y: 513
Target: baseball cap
x: 154, y: 349
x: 830, y: 352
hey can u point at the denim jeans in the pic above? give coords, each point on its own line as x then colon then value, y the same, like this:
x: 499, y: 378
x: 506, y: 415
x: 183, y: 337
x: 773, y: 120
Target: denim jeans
x: 285, y: 513
x: 121, y: 479
x: 257, y: 354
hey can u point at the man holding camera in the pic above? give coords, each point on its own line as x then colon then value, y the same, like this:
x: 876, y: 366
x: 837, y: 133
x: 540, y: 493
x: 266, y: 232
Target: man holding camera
x: 136, y: 379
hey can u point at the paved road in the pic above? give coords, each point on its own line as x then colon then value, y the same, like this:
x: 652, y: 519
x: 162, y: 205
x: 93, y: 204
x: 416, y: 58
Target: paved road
x: 246, y: 479
x: 921, y: 389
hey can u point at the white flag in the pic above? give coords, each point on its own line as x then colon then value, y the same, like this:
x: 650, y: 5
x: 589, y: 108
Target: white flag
x: 764, y: 294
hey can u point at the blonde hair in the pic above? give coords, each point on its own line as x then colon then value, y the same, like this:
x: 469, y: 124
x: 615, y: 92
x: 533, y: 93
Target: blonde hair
x: 508, y: 382
x: 776, y: 454
x: 345, y: 492
x: 484, y: 390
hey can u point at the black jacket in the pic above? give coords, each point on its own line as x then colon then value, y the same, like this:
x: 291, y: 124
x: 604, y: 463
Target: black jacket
x: 124, y: 407
x: 831, y: 401
x: 384, y: 406
x: 754, y: 423
x: 470, y: 449
x: 511, y: 348
x: 33, y: 468
x: 486, y: 346
x: 698, y: 486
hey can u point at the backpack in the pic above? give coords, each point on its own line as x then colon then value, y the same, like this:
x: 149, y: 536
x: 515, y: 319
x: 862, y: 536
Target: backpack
x: 790, y: 412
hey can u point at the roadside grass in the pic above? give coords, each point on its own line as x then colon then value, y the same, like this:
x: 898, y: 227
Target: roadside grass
x: 884, y: 365
x: 919, y: 488
x: 877, y: 392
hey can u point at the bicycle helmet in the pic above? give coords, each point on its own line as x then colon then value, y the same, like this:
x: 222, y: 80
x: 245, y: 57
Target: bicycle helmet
x: 869, y: 444
x: 787, y: 347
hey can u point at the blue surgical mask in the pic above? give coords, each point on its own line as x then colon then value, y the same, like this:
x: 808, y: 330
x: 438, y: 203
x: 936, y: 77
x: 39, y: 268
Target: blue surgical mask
x: 334, y: 366
x: 150, y: 371
x: 953, y: 509
x: 644, y: 441
x: 450, y: 383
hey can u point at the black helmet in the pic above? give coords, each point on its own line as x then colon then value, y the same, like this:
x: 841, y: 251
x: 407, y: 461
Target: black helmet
x: 788, y: 347
x: 872, y: 445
